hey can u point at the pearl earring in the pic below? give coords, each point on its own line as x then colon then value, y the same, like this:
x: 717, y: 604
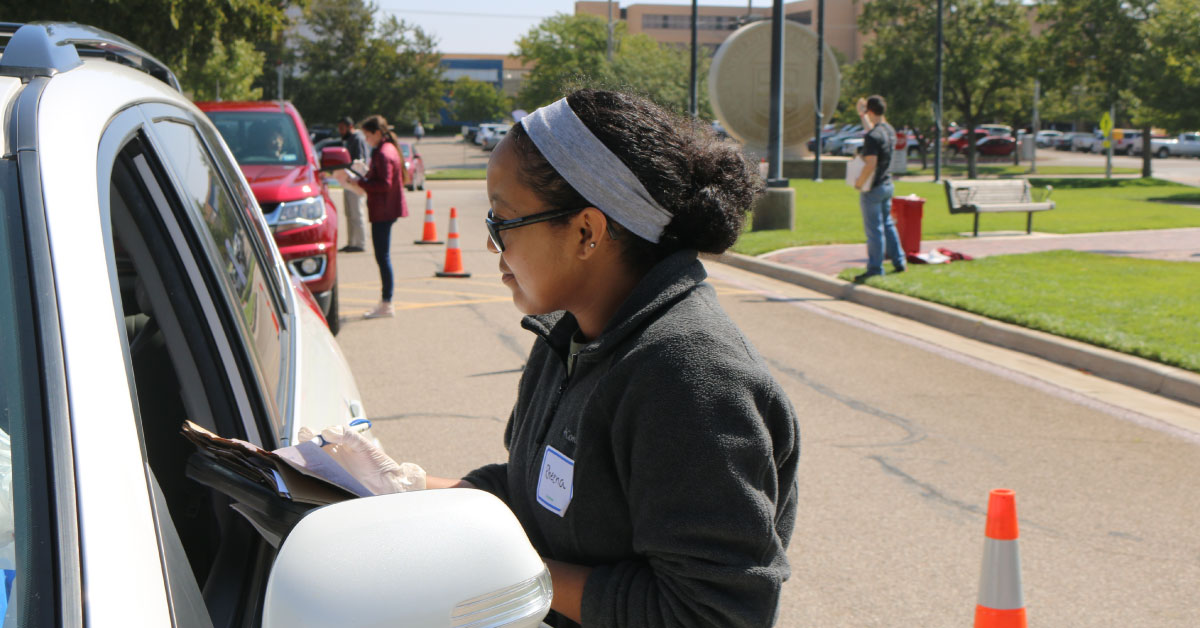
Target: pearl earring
x: 592, y: 245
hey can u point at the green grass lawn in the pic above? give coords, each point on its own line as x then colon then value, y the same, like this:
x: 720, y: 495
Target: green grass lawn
x: 827, y: 212
x: 1148, y: 308
x: 447, y: 174
x: 1009, y: 170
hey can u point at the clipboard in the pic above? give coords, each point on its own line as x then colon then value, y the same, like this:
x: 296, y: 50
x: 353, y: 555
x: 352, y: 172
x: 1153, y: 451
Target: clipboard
x: 272, y: 490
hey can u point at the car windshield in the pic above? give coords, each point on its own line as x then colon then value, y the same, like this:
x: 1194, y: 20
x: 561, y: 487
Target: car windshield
x: 260, y: 138
x: 404, y: 150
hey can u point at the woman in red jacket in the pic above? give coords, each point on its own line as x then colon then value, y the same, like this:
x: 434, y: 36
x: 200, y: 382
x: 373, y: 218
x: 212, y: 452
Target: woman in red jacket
x: 384, y: 188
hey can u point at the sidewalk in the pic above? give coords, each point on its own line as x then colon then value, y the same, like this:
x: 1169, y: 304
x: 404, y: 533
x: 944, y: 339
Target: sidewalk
x: 1165, y: 244
x: 816, y: 267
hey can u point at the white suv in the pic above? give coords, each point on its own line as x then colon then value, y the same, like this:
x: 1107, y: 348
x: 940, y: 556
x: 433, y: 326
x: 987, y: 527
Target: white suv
x: 139, y: 287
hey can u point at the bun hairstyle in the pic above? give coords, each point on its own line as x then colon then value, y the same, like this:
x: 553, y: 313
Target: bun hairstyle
x: 377, y: 124
x: 706, y: 184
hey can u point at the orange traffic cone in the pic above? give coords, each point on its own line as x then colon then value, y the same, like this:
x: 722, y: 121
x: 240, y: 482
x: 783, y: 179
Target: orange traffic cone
x: 429, y: 236
x: 1001, y: 603
x: 454, y: 263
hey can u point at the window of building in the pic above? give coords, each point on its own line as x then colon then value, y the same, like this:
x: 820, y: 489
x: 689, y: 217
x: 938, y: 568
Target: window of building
x: 801, y: 17
x: 684, y: 22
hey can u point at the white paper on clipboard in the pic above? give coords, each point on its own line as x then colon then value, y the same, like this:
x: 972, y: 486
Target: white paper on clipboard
x: 854, y: 170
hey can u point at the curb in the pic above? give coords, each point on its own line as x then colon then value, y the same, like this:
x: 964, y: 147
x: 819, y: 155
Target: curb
x: 1152, y: 377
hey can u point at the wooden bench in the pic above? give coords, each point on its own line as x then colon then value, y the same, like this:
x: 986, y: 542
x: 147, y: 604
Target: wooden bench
x: 1003, y: 195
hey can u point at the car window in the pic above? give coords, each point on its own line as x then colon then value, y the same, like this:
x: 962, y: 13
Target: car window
x: 12, y: 398
x: 265, y: 241
x: 24, y: 502
x: 231, y: 251
x: 184, y: 361
x: 260, y: 138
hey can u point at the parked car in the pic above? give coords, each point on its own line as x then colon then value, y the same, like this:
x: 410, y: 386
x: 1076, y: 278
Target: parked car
x: 487, y: 129
x: 414, y: 164
x: 290, y: 188
x: 1064, y: 141
x: 139, y: 286
x: 833, y: 145
x: 827, y: 132
x: 996, y: 145
x: 1128, y: 139
x: 957, y: 141
x: 1087, y: 142
x: 494, y: 136
x: 1047, y: 138
x: 1002, y: 130
x: 1182, y: 145
x: 318, y: 133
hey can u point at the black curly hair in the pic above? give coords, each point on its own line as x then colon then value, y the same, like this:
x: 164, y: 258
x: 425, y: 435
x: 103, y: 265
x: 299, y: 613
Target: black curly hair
x: 706, y: 184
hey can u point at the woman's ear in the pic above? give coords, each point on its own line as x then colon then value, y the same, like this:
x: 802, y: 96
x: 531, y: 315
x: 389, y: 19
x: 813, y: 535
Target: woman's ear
x: 591, y: 224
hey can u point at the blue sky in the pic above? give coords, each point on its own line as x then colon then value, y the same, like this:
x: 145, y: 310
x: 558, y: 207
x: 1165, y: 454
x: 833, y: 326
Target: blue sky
x: 492, y: 26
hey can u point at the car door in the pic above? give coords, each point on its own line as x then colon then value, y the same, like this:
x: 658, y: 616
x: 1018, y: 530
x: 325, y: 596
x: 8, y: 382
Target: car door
x: 207, y: 340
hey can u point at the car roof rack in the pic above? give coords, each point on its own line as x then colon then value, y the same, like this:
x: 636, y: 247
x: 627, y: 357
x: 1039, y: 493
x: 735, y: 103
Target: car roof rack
x: 49, y: 48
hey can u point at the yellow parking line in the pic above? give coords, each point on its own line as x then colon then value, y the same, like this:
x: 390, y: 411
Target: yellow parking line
x: 417, y: 306
x: 456, y: 292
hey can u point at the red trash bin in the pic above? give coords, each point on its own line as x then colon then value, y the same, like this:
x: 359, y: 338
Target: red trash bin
x: 906, y: 213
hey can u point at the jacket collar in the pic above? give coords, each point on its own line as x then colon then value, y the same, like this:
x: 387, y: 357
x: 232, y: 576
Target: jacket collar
x: 667, y: 282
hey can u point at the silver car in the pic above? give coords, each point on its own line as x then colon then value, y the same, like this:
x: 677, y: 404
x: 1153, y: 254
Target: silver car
x: 139, y: 288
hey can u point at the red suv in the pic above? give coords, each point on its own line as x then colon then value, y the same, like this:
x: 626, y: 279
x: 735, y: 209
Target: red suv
x: 271, y: 144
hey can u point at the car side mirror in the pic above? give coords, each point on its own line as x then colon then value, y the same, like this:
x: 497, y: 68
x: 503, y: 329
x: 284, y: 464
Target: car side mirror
x: 333, y: 157
x: 449, y: 557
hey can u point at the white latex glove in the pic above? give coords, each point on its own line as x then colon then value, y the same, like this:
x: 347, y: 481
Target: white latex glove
x: 366, y: 461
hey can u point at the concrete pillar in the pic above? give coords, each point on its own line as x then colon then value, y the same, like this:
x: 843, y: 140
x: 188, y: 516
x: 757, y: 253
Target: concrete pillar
x: 774, y: 210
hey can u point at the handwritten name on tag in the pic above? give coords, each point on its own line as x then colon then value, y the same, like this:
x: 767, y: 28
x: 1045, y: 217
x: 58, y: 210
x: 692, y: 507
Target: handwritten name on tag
x: 556, y: 481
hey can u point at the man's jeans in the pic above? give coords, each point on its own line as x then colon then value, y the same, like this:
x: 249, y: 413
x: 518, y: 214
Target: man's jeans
x: 876, y: 206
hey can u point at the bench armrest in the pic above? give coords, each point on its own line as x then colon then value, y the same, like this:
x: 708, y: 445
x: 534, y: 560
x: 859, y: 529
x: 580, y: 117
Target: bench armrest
x: 1043, y: 195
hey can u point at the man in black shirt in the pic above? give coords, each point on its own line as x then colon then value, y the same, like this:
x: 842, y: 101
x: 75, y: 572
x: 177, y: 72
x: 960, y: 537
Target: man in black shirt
x: 356, y: 220
x: 876, y: 190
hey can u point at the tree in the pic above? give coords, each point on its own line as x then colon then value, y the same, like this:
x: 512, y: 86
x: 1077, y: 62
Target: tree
x: 184, y: 34
x: 987, y: 44
x: 228, y: 73
x: 354, y: 66
x: 1096, y: 43
x: 1167, y: 88
x: 661, y: 73
x: 566, y: 49
x: 569, y: 52
x: 477, y: 101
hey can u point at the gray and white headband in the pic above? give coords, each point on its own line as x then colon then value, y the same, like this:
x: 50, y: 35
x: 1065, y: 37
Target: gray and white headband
x: 594, y: 171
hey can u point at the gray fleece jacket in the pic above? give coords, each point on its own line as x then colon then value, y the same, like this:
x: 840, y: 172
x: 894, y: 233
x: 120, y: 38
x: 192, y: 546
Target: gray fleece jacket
x: 684, y: 452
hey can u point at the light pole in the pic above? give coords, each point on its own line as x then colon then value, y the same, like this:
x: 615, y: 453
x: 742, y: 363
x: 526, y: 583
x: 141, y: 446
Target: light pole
x: 610, y: 31
x: 693, y: 100
x: 937, y: 108
x: 775, y: 117
x: 777, y: 208
x: 818, y: 117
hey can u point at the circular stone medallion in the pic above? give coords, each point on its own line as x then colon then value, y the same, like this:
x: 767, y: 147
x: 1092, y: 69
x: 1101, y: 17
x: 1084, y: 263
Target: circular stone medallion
x: 739, y: 85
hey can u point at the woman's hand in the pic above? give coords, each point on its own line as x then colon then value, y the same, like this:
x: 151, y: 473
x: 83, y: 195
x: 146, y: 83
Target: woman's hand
x: 368, y: 464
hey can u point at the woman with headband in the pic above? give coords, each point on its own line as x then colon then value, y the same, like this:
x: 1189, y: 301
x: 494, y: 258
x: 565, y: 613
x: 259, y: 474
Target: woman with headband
x: 652, y: 457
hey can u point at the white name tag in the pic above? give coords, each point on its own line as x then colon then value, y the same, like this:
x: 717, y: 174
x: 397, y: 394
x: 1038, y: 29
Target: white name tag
x: 555, y: 481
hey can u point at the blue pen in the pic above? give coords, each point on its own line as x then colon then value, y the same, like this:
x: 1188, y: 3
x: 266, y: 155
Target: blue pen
x: 357, y: 425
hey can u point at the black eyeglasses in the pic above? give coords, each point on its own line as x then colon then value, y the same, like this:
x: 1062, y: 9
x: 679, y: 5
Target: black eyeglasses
x: 494, y: 226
